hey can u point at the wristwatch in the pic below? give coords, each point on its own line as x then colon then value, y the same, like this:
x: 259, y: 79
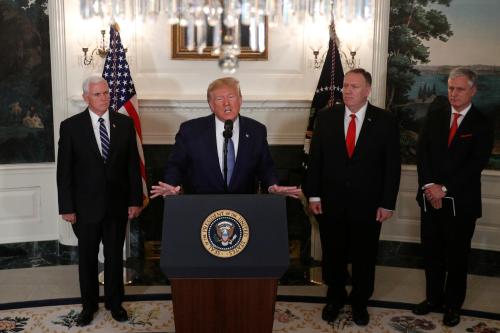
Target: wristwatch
x: 444, y: 189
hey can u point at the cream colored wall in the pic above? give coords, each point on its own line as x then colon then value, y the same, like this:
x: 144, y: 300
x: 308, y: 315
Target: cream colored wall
x: 276, y: 92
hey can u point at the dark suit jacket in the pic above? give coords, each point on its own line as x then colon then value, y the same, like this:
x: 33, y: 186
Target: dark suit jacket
x: 459, y: 166
x: 86, y: 185
x: 359, y: 185
x: 194, y: 163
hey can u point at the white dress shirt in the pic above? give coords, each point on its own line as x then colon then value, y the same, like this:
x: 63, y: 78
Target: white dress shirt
x: 360, y: 117
x: 95, y: 125
x: 219, y: 129
x: 463, y: 113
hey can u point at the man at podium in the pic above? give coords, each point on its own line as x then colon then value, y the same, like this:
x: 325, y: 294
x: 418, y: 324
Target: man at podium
x: 221, y: 153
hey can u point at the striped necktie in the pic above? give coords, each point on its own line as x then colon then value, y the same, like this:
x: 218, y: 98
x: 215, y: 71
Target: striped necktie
x: 104, y: 139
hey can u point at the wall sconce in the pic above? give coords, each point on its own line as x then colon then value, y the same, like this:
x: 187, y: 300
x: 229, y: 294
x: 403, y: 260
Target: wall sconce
x: 319, y: 60
x: 351, y: 62
x: 101, y: 50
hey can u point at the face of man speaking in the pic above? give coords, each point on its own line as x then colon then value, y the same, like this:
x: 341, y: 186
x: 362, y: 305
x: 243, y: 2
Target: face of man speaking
x: 225, y: 102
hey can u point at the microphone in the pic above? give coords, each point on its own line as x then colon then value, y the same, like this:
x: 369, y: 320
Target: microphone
x: 228, y: 129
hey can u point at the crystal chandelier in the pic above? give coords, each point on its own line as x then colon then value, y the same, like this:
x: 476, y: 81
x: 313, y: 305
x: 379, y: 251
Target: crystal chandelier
x: 220, y: 21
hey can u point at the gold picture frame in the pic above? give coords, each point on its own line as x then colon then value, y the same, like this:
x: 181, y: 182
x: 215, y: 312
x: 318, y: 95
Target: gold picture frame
x: 180, y: 51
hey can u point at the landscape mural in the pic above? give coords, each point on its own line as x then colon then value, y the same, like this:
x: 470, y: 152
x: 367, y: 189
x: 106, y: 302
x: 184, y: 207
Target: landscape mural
x: 427, y: 38
x: 26, y: 128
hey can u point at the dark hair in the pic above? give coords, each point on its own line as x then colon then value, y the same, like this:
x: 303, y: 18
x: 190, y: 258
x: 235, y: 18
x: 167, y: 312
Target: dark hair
x: 366, y: 75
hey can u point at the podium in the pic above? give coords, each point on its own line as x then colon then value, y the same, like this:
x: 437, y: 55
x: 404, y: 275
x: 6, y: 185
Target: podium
x: 223, y: 255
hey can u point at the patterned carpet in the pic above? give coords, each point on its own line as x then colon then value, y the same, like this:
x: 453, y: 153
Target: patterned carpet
x: 290, y: 317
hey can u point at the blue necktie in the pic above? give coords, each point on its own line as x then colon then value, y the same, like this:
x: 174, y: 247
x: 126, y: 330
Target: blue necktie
x: 104, y: 139
x: 230, y: 159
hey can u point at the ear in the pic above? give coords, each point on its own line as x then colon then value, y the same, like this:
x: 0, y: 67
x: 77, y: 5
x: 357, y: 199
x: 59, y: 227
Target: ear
x: 211, y: 106
x: 474, y: 90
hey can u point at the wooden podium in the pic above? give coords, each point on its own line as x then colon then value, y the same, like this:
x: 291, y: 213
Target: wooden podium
x: 213, y: 294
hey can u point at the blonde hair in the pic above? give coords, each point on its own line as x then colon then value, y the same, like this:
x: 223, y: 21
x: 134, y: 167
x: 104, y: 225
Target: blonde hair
x: 223, y: 82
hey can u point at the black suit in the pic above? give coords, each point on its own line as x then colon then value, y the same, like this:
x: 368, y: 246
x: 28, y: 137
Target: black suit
x: 351, y: 191
x: 194, y: 162
x: 99, y: 194
x: 446, y: 238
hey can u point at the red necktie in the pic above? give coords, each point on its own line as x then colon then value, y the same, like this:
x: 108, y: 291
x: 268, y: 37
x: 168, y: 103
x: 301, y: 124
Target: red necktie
x: 350, y: 139
x: 453, y: 128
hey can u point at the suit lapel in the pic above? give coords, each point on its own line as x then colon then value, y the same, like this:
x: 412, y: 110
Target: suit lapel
x: 244, y: 145
x: 88, y: 131
x: 211, y: 145
x: 338, y: 131
x: 365, y: 130
x: 113, y: 132
x: 465, y: 125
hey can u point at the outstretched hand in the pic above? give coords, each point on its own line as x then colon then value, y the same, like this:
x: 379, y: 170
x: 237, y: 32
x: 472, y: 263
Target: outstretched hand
x: 164, y: 189
x: 289, y: 191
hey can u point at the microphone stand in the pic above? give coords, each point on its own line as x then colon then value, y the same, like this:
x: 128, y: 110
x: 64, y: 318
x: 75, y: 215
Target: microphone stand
x: 224, y: 152
x: 228, y: 133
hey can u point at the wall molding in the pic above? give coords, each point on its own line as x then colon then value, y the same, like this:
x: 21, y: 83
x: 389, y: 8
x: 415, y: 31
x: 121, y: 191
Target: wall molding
x: 286, y: 120
x: 59, y: 67
x: 405, y: 225
x: 380, y: 49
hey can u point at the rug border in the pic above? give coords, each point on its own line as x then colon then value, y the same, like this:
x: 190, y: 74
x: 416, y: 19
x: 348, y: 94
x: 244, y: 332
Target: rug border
x: 280, y: 298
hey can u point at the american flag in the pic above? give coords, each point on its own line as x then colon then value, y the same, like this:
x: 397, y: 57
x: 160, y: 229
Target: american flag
x: 122, y: 91
x: 329, y: 88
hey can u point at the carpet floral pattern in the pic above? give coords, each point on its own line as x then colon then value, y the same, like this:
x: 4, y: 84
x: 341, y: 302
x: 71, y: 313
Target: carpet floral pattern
x: 290, y: 317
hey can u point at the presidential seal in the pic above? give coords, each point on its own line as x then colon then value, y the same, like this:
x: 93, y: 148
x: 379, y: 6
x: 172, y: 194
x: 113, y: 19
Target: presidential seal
x: 224, y: 233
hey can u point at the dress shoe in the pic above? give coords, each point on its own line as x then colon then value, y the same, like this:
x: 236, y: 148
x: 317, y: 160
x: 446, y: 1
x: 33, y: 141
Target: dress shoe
x: 451, y: 317
x: 119, y: 314
x: 85, y: 317
x: 330, y: 312
x: 426, y: 307
x: 360, y: 316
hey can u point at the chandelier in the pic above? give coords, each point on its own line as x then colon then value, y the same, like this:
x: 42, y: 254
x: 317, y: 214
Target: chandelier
x: 221, y: 21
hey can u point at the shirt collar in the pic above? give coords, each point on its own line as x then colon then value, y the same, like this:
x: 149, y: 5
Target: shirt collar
x: 360, y: 115
x: 463, y: 112
x: 95, y: 117
x: 219, y: 125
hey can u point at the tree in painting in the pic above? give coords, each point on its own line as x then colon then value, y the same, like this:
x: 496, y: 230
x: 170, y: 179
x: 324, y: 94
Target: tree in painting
x: 410, y: 24
x: 26, y: 130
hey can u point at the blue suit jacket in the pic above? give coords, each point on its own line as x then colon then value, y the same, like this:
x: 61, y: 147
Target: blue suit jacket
x: 194, y: 164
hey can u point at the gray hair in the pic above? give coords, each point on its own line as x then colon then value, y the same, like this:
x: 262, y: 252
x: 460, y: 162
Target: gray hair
x: 92, y: 79
x: 463, y: 71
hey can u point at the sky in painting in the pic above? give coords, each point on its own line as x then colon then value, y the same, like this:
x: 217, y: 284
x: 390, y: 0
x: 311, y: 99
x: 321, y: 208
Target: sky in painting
x: 476, y: 34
